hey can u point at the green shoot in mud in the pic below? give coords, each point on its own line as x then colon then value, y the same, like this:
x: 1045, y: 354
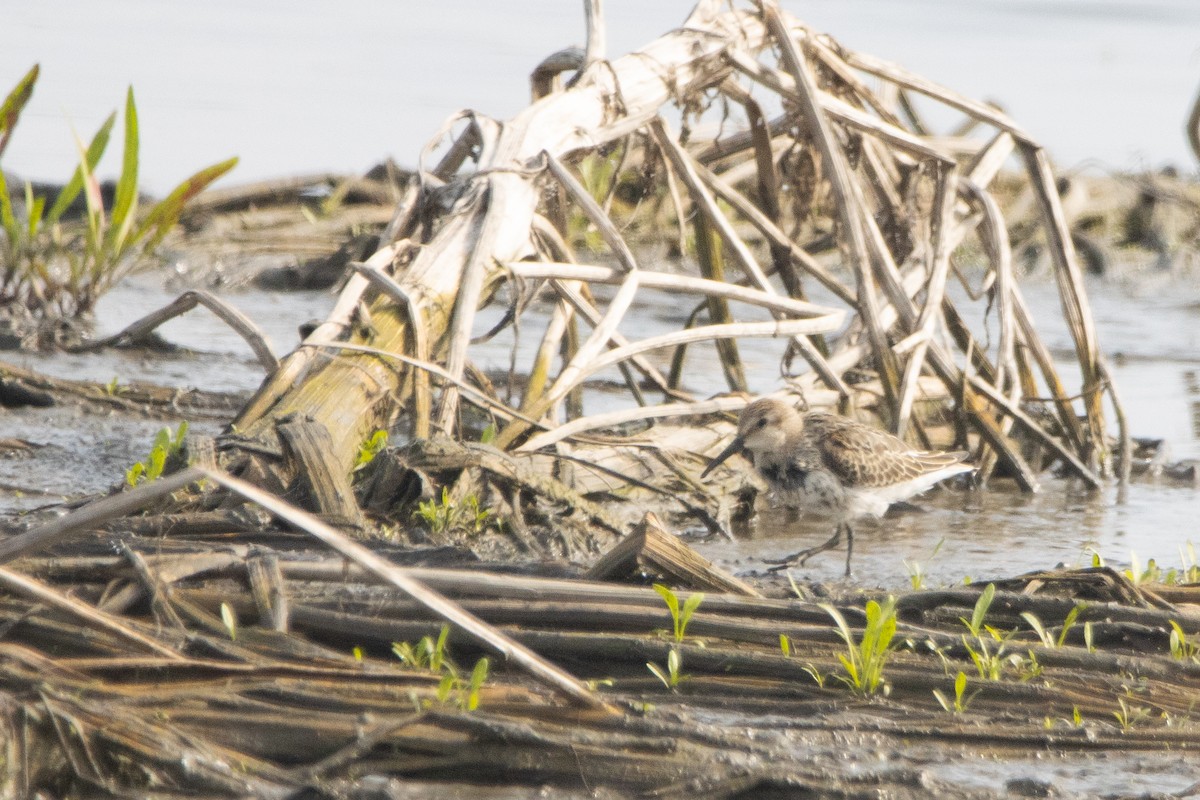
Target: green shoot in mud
x: 673, y: 675
x: 979, y: 613
x: 1191, y: 571
x: 1129, y: 716
x: 1183, y: 648
x: 916, y: 572
x: 430, y: 655
x: 1048, y: 639
x: 372, y: 447
x: 961, y: 699
x: 164, y: 448
x: 1076, y: 720
x: 447, y: 515
x: 1137, y: 576
x: 681, y: 616
x: 53, y: 267
x: 988, y: 647
x: 865, y: 659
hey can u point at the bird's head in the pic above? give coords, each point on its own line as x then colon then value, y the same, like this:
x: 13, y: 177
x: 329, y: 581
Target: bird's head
x: 764, y: 425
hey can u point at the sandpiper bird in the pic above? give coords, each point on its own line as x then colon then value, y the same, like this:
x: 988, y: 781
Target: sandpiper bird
x: 833, y: 465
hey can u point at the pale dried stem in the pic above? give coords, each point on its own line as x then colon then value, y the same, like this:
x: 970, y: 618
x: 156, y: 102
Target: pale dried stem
x: 485, y: 634
x: 235, y: 319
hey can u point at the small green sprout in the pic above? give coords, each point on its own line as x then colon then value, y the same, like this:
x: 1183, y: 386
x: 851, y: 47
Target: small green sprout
x: 1182, y: 648
x: 680, y: 616
x: 865, y: 659
x: 164, y: 447
x: 430, y: 655
x: 372, y: 447
x: 1128, y: 716
x: 448, y: 515
x: 1048, y: 639
x: 673, y: 676
x: 961, y: 698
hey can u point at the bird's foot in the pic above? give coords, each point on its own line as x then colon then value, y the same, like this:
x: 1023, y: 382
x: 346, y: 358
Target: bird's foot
x: 798, y: 559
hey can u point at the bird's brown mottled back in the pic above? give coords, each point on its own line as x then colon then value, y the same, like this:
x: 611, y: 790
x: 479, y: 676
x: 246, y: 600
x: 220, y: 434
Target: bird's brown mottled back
x: 861, y: 456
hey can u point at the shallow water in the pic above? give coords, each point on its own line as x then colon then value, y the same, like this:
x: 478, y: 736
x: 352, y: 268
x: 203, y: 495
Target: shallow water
x: 951, y: 535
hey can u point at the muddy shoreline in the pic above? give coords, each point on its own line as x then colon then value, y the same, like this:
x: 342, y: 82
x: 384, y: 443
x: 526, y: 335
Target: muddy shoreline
x: 749, y: 721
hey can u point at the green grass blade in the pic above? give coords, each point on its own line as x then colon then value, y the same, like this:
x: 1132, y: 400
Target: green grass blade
x: 125, y: 201
x: 8, y: 220
x: 1036, y: 624
x: 689, y: 608
x: 34, y: 206
x: 95, y: 150
x: 671, y: 600
x: 981, y: 608
x: 166, y: 213
x: 14, y: 103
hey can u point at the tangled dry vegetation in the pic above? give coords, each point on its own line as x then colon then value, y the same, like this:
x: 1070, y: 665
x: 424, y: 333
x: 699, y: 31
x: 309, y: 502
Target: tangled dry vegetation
x: 811, y: 208
x: 202, y: 640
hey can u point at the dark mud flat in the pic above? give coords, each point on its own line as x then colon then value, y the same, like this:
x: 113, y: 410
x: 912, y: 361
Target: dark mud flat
x: 226, y: 640
x: 228, y: 659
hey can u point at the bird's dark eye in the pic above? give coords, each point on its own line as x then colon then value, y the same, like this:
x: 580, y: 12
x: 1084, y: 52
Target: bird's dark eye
x: 762, y: 423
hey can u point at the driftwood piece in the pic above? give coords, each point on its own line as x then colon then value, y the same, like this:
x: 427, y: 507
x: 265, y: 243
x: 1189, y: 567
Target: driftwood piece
x: 361, y: 555
x: 651, y: 548
x: 24, y: 387
x: 235, y: 319
x: 324, y: 488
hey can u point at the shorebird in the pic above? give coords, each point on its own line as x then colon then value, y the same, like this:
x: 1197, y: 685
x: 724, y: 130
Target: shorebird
x: 833, y: 465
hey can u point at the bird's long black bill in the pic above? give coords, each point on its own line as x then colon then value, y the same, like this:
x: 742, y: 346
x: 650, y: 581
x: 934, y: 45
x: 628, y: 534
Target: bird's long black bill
x: 736, y: 446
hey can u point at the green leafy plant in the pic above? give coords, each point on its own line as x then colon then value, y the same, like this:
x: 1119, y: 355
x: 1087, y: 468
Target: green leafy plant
x: 1191, y: 571
x: 979, y: 613
x: 445, y: 515
x: 681, y: 616
x: 673, y: 675
x: 865, y: 659
x: 1182, y: 648
x: 164, y: 448
x: 1048, y: 639
x: 1137, y: 576
x: 961, y: 699
x: 372, y: 447
x: 817, y: 676
x: 54, y: 267
x: 430, y: 655
x: 988, y: 647
x: 1129, y: 715
x: 427, y: 653
x: 916, y: 573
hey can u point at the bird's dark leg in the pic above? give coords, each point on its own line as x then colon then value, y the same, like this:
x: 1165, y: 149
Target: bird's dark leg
x: 799, y: 558
x: 849, y: 545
